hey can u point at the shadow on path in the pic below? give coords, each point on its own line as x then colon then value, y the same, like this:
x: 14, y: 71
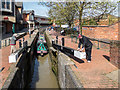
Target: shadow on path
x: 106, y: 57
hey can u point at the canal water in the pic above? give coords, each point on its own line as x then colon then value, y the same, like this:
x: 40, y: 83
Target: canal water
x: 43, y: 77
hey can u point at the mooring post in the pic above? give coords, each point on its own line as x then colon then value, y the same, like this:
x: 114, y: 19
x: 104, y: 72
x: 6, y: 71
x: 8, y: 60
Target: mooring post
x: 23, y: 41
x: 98, y: 45
x: 9, y: 41
x: 63, y: 42
x: 20, y: 44
x: 57, y: 39
x: 53, y: 42
x: 5, y: 42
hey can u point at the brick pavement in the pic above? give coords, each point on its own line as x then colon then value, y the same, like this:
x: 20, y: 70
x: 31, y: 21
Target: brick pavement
x: 93, y: 74
x: 4, y: 60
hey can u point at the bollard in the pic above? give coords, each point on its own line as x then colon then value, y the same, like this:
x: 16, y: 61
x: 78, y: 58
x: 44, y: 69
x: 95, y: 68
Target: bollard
x: 20, y: 44
x: 76, y: 40
x: 63, y: 42
x: 53, y: 41
x: 23, y: 42
x: 9, y: 41
x: 5, y: 42
x: 23, y: 39
x: 57, y: 39
x: 98, y: 45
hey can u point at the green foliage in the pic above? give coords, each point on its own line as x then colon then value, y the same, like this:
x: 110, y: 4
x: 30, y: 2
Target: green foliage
x: 65, y: 12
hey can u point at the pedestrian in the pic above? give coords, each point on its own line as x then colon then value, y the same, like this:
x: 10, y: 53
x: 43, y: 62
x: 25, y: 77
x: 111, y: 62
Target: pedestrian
x: 13, y: 43
x: 87, y: 44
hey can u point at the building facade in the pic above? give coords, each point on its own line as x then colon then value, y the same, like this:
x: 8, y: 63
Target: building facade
x: 42, y: 21
x: 8, y: 15
x: 19, y: 16
x: 28, y: 19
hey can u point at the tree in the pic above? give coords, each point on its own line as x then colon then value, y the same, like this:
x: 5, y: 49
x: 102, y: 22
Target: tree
x: 65, y: 11
x: 93, y: 9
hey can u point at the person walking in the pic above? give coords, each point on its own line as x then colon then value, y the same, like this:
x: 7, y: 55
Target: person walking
x: 87, y: 44
x: 13, y: 43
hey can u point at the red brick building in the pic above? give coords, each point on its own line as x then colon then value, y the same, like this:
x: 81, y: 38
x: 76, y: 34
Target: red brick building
x: 42, y: 21
x: 107, y: 28
x: 102, y: 32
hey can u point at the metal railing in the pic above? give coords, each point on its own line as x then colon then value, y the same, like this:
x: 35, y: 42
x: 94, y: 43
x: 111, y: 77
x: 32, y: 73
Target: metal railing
x: 92, y: 39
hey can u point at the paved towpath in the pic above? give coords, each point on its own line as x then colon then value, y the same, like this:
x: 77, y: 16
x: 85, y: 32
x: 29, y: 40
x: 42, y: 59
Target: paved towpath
x: 4, y: 61
x: 95, y: 73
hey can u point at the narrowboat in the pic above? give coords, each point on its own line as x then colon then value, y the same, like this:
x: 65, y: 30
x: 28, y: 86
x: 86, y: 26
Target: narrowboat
x: 42, y: 46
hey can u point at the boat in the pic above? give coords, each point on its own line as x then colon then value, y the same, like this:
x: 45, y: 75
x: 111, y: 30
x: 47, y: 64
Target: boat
x: 42, y: 46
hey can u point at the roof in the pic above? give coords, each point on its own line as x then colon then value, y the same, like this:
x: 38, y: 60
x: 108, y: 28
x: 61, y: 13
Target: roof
x: 41, y: 16
x: 28, y: 11
x: 19, y: 4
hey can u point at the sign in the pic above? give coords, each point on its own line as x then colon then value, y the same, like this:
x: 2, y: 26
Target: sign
x: 5, y: 18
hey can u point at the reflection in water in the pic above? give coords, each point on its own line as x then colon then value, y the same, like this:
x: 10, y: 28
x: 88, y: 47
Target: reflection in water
x: 43, y: 77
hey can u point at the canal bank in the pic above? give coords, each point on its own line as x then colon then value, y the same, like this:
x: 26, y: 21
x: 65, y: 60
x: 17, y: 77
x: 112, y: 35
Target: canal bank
x: 61, y: 66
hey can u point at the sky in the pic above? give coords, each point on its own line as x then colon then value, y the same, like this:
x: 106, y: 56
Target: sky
x: 43, y: 10
x: 39, y: 9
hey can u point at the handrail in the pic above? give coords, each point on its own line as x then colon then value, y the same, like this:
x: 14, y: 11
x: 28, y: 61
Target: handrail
x: 99, y: 40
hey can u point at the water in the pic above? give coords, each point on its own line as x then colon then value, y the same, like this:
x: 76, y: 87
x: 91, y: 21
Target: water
x: 43, y: 77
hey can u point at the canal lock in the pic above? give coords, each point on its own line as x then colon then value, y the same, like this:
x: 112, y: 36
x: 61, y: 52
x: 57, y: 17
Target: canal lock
x: 45, y: 70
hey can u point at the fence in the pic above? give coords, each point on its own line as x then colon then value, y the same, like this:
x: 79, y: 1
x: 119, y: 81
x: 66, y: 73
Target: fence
x: 6, y: 42
x: 98, y: 43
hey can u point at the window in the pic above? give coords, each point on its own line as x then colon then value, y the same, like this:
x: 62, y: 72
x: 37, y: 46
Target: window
x: 3, y: 3
x: 8, y: 4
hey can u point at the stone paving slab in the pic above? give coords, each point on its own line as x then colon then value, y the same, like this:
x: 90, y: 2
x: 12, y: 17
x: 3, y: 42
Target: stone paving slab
x: 93, y: 74
x: 114, y: 75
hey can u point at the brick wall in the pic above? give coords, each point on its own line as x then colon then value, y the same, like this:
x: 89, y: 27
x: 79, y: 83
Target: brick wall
x: 115, y: 53
x: 101, y: 32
